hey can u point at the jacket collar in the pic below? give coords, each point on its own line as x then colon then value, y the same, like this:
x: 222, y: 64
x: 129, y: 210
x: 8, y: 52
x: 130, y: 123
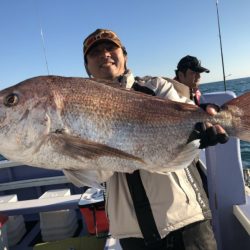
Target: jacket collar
x: 127, y: 79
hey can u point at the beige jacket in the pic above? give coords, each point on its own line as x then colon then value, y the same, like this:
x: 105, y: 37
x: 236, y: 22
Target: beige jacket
x: 177, y: 198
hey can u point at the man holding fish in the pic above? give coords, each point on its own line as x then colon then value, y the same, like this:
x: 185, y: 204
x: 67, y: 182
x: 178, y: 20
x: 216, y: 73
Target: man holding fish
x: 175, y: 212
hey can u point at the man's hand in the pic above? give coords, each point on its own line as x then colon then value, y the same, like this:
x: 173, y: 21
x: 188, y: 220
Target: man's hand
x: 210, y: 134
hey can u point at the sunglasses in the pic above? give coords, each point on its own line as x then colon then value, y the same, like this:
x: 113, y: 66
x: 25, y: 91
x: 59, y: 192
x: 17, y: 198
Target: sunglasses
x: 101, y: 35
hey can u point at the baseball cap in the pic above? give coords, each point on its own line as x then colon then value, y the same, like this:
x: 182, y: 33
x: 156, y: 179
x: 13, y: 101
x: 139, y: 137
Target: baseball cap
x: 100, y: 35
x: 191, y: 62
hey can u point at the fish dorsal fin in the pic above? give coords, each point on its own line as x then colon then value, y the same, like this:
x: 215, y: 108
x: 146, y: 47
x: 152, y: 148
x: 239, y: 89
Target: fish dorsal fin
x: 86, y: 177
x: 77, y: 147
x: 117, y: 85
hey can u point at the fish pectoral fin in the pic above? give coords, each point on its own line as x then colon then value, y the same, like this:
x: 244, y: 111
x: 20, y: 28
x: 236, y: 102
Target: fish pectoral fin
x: 183, y: 159
x: 76, y: 147
x: 86, y: 177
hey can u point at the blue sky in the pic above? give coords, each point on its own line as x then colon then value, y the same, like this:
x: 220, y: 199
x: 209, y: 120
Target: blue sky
x: 156, y: 34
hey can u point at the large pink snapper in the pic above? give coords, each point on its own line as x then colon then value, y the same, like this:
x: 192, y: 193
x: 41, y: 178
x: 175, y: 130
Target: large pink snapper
x: 89, y: 129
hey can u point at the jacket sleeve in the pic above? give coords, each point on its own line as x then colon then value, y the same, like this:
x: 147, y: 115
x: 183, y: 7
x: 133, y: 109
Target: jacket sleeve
x: 165, y: 89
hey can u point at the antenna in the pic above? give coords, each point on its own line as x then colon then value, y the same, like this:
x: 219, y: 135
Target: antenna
x: 221, y: 51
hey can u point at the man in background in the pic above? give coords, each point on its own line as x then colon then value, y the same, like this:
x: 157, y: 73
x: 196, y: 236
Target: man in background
x: 188, y: 72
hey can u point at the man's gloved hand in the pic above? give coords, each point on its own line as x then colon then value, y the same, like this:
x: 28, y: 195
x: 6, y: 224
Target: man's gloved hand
x: 209, y: 134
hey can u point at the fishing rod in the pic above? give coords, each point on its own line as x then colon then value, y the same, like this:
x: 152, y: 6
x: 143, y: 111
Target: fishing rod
x: 42, y: 38
x: 44, y: 50
x: 221, y: 51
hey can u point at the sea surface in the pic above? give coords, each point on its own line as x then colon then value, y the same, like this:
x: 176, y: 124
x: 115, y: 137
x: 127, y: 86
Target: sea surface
x: 238, y: 86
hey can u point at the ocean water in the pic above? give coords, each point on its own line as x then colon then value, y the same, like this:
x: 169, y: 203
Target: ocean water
x: 238, y: 86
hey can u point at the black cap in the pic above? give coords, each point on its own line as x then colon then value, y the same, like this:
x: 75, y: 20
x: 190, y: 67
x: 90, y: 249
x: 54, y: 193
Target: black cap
x: 191, y: 62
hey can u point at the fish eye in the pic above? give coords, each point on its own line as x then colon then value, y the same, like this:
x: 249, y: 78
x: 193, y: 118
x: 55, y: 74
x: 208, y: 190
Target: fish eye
x: 11, y: 100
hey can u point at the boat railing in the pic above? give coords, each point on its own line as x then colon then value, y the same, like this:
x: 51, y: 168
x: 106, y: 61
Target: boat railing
x: 29, y: 183
x: 36, y: 182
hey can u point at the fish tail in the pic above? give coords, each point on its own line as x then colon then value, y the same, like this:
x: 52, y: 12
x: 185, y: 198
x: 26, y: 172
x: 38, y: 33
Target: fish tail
x: 240, y: 110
